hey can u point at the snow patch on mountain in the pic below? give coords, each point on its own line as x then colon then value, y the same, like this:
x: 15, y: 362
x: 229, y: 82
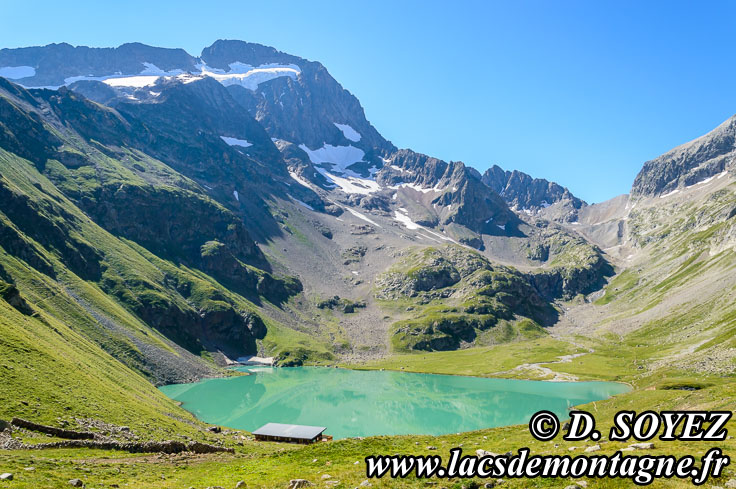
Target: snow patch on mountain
x: 348, y: 132
x: 303, y: 204
x: 17, y: 72
x: 147, y: 77
x: 132, y: 81
x: 418, y: 188
x: 299, y: 179
x: 362, y: 216
x: 248, y: 76
x: 239, y: 74
x: 351, y: 184
x: 708, y: 180
x: 152, y: 69
x: 236, y: 142
x: 339, y: 156
x: 333, y: 162
x: 405, y: 220
x: 402, y: 216
x: 669, y: 193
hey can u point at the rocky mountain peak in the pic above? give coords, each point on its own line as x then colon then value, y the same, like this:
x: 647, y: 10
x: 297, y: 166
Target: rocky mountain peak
x: 523, y: 192
x: 692, y: 163
x: 223, y: 52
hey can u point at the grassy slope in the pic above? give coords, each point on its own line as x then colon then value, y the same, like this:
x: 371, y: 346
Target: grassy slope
x: 494, y: 361
x: 59, y: 363
x: 48, y: 380
x: 63, y: 363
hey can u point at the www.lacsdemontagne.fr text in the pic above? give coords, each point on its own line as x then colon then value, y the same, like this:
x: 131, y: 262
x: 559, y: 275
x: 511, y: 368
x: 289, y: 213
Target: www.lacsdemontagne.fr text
x: 641, y: 469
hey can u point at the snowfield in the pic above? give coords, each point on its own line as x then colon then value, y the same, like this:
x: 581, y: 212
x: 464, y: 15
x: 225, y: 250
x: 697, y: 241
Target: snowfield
x: 348, y: 132
x: 248, y: 76
x: 405, y: 220
x: 339, y: 156
x: 402, y: 216
x: 236, y: 142
x: 362, y: 216
x: 239, y: 74
x: 299, y: 179
x: 352, y: 185
x: 131, y: 81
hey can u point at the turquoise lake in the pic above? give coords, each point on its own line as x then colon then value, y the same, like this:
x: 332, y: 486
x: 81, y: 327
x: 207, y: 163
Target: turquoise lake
x: 365, y: 403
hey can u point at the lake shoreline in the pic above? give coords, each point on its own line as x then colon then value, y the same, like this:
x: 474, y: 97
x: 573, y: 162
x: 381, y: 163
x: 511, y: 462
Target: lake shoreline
x: 362, y: 403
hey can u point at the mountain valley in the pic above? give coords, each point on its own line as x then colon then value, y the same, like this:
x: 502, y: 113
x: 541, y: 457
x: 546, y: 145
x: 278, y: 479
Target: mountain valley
x: 163, y: 216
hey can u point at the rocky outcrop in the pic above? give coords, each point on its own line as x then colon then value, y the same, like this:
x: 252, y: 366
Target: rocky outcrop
x: 50, y: 430
x: 21, y: 132
x: 10, y: 294
x: 690, y: 163
x: 455, y: 294
x: 49, y: 225
x: 571, y: 265
x: 451, y: 193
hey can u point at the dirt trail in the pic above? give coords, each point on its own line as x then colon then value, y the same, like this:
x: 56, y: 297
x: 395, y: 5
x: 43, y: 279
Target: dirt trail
x: 562, y: 331
x: 543, y: 371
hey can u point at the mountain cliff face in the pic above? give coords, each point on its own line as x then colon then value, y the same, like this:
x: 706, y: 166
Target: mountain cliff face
x: 689, y: 164
x: 311, y: 108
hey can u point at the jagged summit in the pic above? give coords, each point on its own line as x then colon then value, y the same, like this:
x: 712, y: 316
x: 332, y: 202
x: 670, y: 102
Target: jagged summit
x: 524, y: 192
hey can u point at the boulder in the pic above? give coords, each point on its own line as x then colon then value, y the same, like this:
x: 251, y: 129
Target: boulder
x: 642, y: 446
x: 76, y: 483
x: 299, y: 483
x: 240, y: 485
x: 7, y: 476
x: 594, y: 448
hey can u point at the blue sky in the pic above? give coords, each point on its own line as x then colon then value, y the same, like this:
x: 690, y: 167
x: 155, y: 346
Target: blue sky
x: 577, y: 92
